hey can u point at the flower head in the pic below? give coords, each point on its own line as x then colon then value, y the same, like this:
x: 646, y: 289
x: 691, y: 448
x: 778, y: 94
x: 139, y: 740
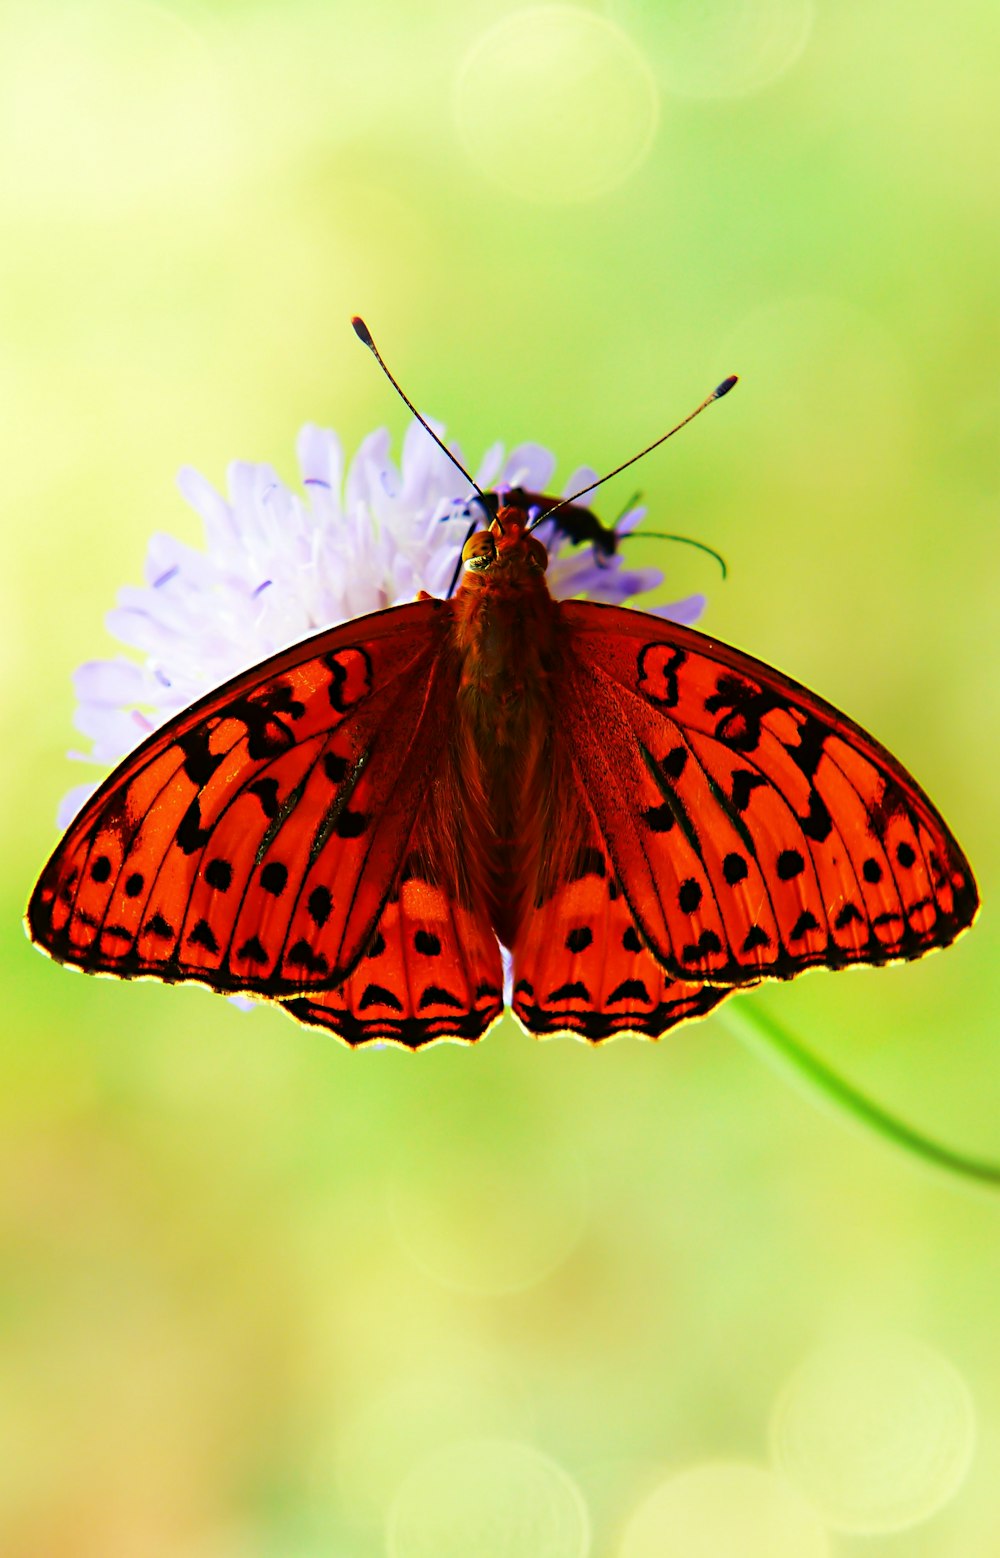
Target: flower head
x: 280, y: 564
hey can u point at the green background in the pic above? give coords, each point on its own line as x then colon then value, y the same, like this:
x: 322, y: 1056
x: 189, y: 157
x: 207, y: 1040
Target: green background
x: 252, y: 1280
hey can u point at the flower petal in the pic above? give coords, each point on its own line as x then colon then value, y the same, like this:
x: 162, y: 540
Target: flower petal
x: 686, y: 611
x: 529, y: 466
x: 110, y: 682
x: 72, y: 802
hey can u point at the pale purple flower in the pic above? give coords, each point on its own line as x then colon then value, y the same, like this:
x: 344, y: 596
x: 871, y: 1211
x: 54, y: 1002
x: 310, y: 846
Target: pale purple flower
x: 280, y: 564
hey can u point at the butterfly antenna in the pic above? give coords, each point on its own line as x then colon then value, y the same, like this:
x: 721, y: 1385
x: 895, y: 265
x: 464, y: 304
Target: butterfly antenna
x: 363, y: 334
x: 662, y: 535
x: 717, y: 394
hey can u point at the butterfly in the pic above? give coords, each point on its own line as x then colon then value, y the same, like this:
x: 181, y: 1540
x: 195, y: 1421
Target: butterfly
x: 647, y: 819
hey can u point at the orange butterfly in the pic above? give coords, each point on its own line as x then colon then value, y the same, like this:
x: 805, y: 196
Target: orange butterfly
x: 647, y: 819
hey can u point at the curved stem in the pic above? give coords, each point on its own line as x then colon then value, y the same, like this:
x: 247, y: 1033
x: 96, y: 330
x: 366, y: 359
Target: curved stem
x: 777, y: 1046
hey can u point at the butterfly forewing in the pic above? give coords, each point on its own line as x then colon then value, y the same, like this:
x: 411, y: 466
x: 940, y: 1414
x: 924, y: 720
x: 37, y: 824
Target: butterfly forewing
x: 755, y: 830
x: 253, y: 842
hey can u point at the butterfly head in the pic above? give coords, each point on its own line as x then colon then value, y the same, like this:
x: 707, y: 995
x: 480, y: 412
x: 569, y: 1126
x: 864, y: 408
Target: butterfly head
x: 505, y: 550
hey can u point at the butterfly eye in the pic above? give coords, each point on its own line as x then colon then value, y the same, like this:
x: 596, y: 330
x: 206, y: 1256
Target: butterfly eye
x: 480, y: 551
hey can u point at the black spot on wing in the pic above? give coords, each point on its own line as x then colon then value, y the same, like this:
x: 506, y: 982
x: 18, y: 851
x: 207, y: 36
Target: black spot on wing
x: 378, y: 995
x: 252, y: 951
x: 745, y: 781
x: 219, y: 874
x: 200, y: 762
x: 817, y: 824
x: 351, y: 824
x: 190, y: 835
x: 335, y: 767
x: 274, y: 878
x: 117, y: 933
x: 302, y: 955
x: 707, y: 944
x: 435, y: 995
x: 264, y: 714
x: 576, y: 991
x: 204, y: 936
x: 629, y: 990
x: 674, y: 763
x: 319, y: 905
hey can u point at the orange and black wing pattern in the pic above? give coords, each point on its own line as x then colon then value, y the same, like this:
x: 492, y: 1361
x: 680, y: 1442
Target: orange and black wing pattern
x: 754, y: 831
x: 257, y: 842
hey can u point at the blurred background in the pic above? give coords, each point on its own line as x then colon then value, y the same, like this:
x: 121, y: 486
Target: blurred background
x: 266, y: 1298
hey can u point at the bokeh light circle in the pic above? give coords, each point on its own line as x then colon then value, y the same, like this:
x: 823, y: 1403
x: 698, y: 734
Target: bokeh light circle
x: 555, y: 103
x: 724, y: 1508
x: 720, y: 48
x: 488, y: 1498
x: 877, y: 1433
x: 455, y: 1396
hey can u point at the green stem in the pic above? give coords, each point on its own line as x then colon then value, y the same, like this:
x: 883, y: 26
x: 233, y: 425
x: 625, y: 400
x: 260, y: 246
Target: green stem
x: 776, y: 1045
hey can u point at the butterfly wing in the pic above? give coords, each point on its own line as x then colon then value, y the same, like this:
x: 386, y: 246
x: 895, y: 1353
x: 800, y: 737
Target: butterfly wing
x: 255, y: 841
x: 580, y: 965
x: 754, y: 830
x: 432, y: 971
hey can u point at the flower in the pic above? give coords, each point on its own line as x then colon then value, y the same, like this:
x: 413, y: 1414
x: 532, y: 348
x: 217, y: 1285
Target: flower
x: 281, y: 564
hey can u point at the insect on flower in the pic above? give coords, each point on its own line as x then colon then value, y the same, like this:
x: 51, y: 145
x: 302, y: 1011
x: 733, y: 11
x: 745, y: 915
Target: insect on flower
x: 646, y: 819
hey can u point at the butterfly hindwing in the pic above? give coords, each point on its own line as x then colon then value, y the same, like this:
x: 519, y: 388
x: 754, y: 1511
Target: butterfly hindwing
x: 755, y: 830
x: 432, y: 970
x: 251, y: 844
x: 581, y: 966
